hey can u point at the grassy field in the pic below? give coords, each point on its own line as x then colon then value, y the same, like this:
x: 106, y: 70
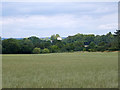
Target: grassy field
x: 62, y: 70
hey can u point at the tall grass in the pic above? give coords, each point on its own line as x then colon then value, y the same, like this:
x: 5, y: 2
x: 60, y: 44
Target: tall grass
x: 61, y: 70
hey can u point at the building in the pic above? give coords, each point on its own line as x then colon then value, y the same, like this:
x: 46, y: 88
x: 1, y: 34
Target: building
x: 59, y: 38
x: 86, y: 44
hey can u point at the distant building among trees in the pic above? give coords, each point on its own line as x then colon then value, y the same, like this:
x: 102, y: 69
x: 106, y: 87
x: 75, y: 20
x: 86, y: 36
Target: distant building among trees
x: 54, y: 44
x: 86, y: 44
x: 59, y: 38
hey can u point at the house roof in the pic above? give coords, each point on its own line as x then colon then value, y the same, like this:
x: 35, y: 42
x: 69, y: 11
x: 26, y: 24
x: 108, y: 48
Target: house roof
x: 59, y: 38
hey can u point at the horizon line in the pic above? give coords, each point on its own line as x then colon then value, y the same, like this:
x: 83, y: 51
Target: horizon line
x: 57, y: 33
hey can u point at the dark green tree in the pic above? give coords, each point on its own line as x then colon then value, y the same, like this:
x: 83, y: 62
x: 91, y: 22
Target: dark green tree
x: 54, y: 48
x: 117, y: 37
x: 26, y: 46
x: 10, y: 46
x: 35, y: 40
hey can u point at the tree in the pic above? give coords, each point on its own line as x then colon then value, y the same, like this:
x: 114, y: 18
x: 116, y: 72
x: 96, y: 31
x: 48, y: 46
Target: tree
x: 26, y: 46
x: 0, y: 41
x: 84, y: 49
x: 78, y: 46
x: 45, y: 50
x: 53, y: 37
x: 69, y: 47
x: 47, y: 44
x: 10, y: 46
x: 92, y: 45
x: 0, y: 45
x: 57, y: 35
x: 117, y: 33
x: 59, y: 44
x: 54, y: 48
x: 78, y: 42
x: 0, y: 49
x: 100, y: 48
x: 35, y: 40
x: 117, y: 37
x: 36, y: 50
x: 101, y: 44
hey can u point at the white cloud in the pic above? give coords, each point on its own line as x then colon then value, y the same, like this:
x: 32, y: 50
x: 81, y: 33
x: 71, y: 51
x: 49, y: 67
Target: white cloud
x: 56, y: 21
x: 109, y: 26
x: 68, y: 23
x: 60, y: 1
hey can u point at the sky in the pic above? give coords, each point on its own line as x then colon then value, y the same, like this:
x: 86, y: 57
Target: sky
x: 43, y: 19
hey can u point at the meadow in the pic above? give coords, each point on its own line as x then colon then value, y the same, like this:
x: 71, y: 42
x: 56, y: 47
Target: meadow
x: 60, y: 70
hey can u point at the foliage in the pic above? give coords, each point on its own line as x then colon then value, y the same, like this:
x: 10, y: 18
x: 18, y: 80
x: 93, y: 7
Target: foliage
x: 117, y: 37
x: 36, y: 50
x: 54, y: 48
x: 0, y: 49
x: 45, y: 50
x: 0, y: 46
x: 10, y: 46
x: 78, y: 42
x: 26, y: 46
x: 54, y: 37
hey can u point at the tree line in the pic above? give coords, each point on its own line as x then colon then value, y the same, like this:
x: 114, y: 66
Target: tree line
x: 78, y: 42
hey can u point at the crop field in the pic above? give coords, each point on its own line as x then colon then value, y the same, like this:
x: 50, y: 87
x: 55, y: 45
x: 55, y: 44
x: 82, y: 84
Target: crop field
x: 60, y: 70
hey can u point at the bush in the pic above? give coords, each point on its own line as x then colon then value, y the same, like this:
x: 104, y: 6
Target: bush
x: 84, y: 49
x: 54, y: 48
x: 101, y: 48
x: 36, y: 50
x: 45, y: 50
x: 91, y: 50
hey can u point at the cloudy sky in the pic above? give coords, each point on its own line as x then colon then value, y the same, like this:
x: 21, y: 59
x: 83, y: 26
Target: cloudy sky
x: 24, y: 19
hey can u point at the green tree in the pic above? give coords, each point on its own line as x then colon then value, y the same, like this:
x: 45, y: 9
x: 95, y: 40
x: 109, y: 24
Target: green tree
x: 26, y: 46
x: 45, y: 50
x: 0, y: 49
x: 53, y: 37
x: 78, y: 46
x: 59, y: 44
x: 92, y: 45
x: 0, y: 45
x: 54, y: 48
x: 36, y: 50
x: 69, y: 47
x: 10, y: 46
x: 47, y: 44
x: 101, y: 44
x: 100, y: 48
x: 35, y: 40
x: 57, y: 35
x: 117, y: 37
x: 84, y: 49
x: 0, y: 41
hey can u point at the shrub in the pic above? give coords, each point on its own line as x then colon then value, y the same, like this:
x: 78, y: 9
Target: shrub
x: 84, y: 49
x: 45, y: 50
x: 36, y: 50
x: 54, y: 48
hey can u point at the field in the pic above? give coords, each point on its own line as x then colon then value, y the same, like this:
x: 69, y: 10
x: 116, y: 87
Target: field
x: 61, y: 70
